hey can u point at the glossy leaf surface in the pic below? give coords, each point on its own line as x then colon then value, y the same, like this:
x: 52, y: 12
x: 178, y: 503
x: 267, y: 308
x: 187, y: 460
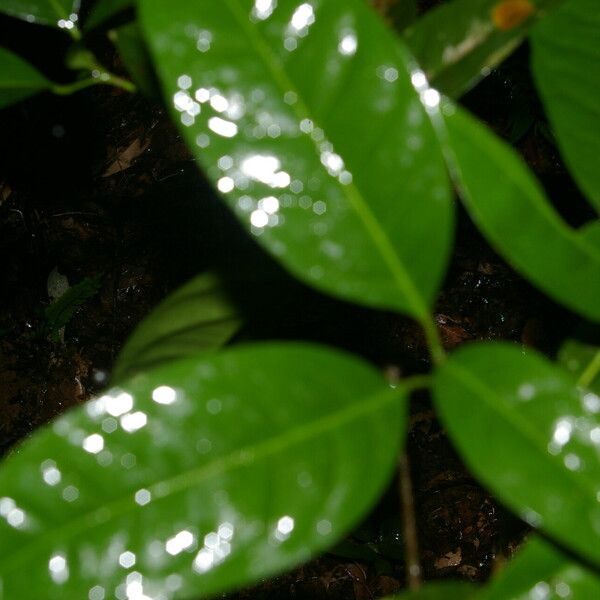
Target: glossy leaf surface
x: 542, y: 571
x: 565, y: 58
x: 196, y: 318
x: 509, y: 206
x: 106, y: 9
x: 459, y: 42
x: 58, y: 13
x: 18, y: 79
x: 530, y: 435
x: 198, y: 477
x: 582, y: 360
x: 304, y: 116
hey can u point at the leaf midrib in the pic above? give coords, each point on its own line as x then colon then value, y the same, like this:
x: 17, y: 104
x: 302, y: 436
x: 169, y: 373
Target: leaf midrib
x: 400, y: 274
x: 194, y: 477
x: 520, y: 424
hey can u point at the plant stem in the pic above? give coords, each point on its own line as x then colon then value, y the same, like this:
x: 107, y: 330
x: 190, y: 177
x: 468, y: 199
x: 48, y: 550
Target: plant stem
x: 70, y: 88
x: 412, y: 383
x: 75, y: 33
x: 116, y: 81
x: 434, y: 343
x: 409, y: 384
x: 409, y: 524
x: 104, y: 78
x: 96, y: 73
x: 590, y: 372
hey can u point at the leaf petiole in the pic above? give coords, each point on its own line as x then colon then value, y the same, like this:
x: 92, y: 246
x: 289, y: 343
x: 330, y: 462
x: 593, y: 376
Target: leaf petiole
x: 590, y: 372
x: 104, y: 77
x: 434, y: 343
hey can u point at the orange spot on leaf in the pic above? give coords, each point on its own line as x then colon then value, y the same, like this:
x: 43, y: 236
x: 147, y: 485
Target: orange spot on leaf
x: 511, y: 13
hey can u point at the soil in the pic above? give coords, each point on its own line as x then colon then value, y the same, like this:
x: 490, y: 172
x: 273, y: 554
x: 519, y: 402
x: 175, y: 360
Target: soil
x: 100, y: 184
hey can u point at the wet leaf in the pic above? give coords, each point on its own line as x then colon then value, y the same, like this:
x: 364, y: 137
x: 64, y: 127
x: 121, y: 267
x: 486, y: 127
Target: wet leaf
x: 200, y: 476
x: 198, y: 317
x: 510, y: 207
x: 459, y: 42
x: 106, y: 9
x: 582, y: 360
x: 530, y: 435
x: 540, y: 570
x: 58, y: 13
x: 565, y: 57
x: 134, y: 54
x: 447, y: 590
x: 18, y: 79
x: 304, y: 116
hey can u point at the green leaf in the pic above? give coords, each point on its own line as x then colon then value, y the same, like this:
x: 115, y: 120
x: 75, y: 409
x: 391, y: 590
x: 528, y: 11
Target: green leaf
x: 459, y: 42
x: 240, y: 467
x: 582, y: 360
x: 509, y: 206
x: 565, y: 57
x: 136, y: 58
x: 529, y: 434
x: 60, y: 312
x: 541, y: 571
x: 18, y: 79
x: 306, y: 120
x: 446, y: 590
x: 79, y: 58
x: 106, y: 9
x: 59, y: 13
x: 591, y: 233
x: 196, y: 318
